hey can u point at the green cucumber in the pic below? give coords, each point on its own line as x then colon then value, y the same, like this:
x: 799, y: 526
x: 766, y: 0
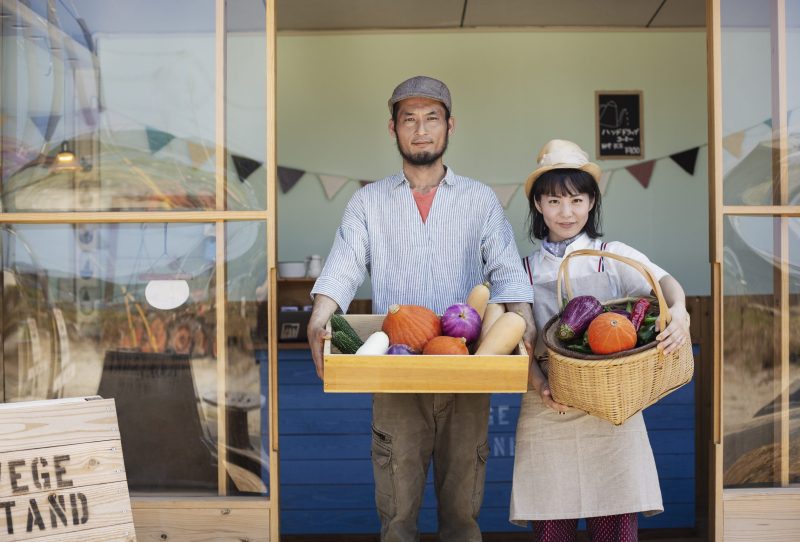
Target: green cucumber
x: 345, y: 343
x: 340, y: 323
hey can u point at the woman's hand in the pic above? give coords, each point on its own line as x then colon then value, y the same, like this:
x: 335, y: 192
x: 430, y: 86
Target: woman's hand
x: 547, y: 399
x: 676, y: 332
x: 538, y: 382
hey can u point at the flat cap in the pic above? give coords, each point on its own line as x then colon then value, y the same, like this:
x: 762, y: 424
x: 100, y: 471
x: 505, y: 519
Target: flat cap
x: 421, y: 87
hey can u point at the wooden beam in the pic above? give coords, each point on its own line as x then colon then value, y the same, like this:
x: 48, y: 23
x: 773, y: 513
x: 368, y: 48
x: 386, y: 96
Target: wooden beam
x: 715, y: 173
x: 780, y: 198
x: 136, y: 217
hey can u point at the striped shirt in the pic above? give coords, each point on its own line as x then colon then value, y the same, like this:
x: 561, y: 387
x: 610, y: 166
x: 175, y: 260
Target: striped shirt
x: 466, y: 240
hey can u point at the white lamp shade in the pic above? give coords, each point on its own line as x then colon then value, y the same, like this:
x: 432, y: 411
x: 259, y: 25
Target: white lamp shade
x: 166, y: 294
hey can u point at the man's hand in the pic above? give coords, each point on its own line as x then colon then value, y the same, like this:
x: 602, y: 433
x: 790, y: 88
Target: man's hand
x: 324, y: 307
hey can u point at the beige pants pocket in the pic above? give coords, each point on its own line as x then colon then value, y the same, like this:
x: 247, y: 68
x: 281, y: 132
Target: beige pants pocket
x: 480, y: 477
x: 381, y: 453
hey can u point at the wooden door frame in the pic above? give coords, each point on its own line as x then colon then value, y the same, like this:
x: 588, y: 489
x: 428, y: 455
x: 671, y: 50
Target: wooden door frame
x: 750, y: 508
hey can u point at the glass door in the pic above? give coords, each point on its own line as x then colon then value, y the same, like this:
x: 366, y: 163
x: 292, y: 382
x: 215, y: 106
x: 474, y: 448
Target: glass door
x: 754, y: 114
x: 137, y: 242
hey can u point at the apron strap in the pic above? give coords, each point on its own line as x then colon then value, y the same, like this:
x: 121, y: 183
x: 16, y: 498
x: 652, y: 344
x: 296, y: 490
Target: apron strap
x: 601, y: 265
x: 526, y: 262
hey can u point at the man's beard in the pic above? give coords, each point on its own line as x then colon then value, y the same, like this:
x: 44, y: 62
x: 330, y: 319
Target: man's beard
x: 424, y: 158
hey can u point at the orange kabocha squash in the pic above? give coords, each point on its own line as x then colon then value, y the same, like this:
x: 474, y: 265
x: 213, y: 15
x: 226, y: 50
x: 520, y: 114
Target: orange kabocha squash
x: 446, y: 346
x: 610, y: 333
x: 411, y: 325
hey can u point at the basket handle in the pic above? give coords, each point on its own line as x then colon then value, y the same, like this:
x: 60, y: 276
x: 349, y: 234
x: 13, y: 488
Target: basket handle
x: 664, y: 317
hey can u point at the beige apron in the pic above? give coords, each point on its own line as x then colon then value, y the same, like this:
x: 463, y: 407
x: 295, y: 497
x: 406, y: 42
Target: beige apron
x: 576, y: 465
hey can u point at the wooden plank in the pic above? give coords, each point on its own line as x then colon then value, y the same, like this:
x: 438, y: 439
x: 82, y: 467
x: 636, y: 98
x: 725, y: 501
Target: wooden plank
x: 761, y: 516
x: 115, y: 533
x: 226, y: 522
x: 59, y: 466
x: 26, y: 426
x: 128, y: 217
x: 64, y: 511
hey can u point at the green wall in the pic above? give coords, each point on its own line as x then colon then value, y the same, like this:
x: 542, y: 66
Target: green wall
x: 512, y: 91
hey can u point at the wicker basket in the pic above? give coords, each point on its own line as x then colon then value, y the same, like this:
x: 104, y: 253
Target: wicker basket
x: 614, y: 387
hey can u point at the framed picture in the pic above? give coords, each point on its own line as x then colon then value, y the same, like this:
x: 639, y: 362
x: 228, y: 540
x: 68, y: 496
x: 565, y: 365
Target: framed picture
x: 619, y: 124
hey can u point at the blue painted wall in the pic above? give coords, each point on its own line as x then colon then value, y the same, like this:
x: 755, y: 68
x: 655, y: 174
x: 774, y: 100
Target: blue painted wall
x: 326, y: 475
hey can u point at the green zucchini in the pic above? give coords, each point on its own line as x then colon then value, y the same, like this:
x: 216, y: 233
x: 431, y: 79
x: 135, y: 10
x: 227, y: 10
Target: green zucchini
x: 345, y: 343
x: 340, y: 323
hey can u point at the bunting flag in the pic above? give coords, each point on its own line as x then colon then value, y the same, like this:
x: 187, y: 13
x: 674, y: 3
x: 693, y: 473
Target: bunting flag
x: 244, y: 166
x: 157, y: 140
x: 642, y: 171
x: 199, y: 154
x: 332, y: 184
x: 768, y: 122
x: 686, y: 159
x: 603, y: 183
x: 505, y: 192
x: 733, y: 143
x: 288, y: 177
x: 89, y: 116
x: 46, y: 124
x: 364, y: 183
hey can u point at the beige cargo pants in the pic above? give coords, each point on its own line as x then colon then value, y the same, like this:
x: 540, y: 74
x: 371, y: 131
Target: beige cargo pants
x: 410, y: 429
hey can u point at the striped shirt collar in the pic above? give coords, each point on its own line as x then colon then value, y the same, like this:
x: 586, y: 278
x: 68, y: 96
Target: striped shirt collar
x: 449, y: 178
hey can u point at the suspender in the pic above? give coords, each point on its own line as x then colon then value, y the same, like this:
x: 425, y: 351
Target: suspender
x: 526, y: 263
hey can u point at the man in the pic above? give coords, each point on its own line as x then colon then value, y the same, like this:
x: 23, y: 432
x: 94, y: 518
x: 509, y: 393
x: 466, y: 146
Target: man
x: 426, y: 236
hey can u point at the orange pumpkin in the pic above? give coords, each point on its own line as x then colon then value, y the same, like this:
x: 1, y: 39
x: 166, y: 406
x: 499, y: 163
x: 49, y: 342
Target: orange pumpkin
x: 446, y: 346
x: 411, y: 325
x: 610, y: 333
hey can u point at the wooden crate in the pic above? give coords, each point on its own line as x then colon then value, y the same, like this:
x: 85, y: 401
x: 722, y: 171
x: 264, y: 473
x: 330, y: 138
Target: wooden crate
x: 421, y: 374
x: 63, y: 475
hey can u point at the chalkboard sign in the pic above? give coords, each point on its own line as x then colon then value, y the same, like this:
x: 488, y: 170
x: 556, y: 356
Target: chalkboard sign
x: 619, y: 124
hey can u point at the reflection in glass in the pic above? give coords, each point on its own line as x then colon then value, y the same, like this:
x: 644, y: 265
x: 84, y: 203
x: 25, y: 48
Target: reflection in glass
x: 77, y: 322
x: 129, y: 88
x: 752, y: 386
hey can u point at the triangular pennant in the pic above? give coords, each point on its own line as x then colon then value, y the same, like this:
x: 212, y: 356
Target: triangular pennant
x: 288, y: 177
x: 602, y: 184
x: 198, y: 153
x: 642, y: 171
x: 157, y: 140
x: 332, y: 184
x: 505, y: 192
x: 768, y: 122
x: 686, y: 159
x: 89, y: 116
x: 733, y: 143
x: 244, y: 166
x: 46, y: 124
x: 364, y: 183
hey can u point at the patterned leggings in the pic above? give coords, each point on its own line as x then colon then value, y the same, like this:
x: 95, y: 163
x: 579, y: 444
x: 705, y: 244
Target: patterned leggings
x: 619, y: 528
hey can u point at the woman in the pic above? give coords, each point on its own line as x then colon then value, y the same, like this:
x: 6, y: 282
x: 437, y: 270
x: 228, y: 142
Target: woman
x: 570, y: 465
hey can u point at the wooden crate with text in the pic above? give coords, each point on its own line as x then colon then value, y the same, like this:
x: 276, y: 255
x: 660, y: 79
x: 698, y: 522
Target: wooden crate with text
x: 62, y: 475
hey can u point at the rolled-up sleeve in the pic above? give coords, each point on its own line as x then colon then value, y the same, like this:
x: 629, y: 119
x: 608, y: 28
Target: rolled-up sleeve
x: 347, y: 264
x: 502, y: 263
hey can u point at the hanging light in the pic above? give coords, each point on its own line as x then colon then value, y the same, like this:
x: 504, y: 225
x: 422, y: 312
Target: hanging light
x: 65, y: 159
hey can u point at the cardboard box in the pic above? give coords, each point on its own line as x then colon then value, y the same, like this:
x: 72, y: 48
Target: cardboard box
x: 421, y: 374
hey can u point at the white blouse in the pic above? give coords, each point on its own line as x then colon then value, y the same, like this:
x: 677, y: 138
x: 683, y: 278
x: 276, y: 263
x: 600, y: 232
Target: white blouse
x: 630, y: 282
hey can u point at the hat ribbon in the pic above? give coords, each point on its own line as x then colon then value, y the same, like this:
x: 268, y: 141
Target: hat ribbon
x: 573, y: 157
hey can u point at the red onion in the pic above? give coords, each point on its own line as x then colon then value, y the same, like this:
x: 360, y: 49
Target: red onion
x: 401, y: 350
x: 461, y: 320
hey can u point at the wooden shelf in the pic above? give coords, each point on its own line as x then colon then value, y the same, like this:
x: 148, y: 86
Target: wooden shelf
x: 293, y: 346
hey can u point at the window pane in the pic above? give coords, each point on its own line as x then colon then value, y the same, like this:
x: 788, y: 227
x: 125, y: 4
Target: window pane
x: 112, y: 106
x: 129, y: 311
x: 752, y: 384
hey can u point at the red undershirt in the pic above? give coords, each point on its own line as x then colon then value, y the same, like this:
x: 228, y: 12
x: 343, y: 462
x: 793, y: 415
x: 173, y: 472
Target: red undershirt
x: 424, y: 202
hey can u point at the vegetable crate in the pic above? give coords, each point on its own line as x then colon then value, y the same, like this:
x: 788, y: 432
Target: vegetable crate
x: 421, y: 373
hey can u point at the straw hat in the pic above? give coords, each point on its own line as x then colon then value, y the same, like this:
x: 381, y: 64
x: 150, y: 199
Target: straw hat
x: 562, y: 154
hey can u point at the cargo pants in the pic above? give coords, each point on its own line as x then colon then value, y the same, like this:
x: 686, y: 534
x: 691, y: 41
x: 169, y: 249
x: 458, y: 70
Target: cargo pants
x: 410, y: 429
